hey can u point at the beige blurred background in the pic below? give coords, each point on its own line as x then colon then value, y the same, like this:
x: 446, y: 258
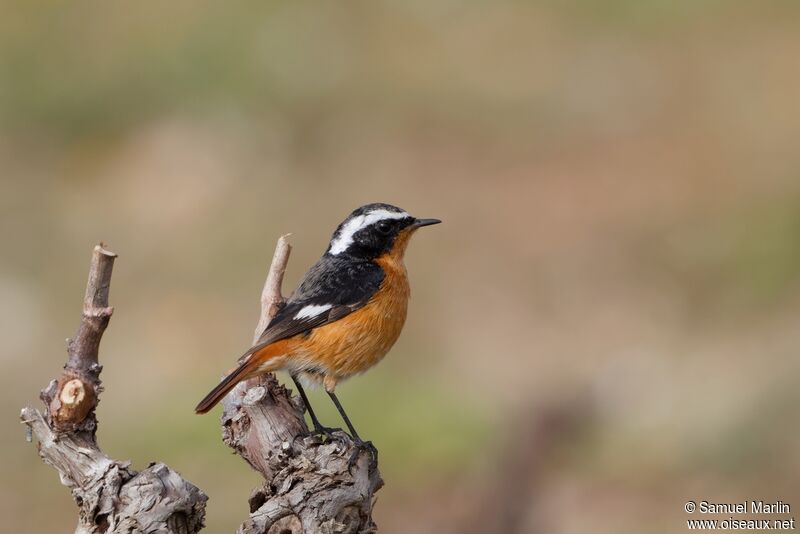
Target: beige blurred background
x: 605, y: 326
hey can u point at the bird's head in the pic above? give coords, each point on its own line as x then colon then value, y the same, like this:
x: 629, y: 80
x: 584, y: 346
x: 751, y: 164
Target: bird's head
x: 374, y: 230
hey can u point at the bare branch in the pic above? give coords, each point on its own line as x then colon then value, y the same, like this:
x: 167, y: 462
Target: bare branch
x: 74, y: 395
x: 271, y: 298
x: 112, y: 498
x: 83, y: 348
x: 309, y: 486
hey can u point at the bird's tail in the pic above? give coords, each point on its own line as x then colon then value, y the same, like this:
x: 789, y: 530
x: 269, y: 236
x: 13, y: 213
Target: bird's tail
x: 222, y: 389
x: 251, y: 365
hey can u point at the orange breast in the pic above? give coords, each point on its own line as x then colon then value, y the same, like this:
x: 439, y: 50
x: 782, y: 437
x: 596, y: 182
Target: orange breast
x: 358, y: 341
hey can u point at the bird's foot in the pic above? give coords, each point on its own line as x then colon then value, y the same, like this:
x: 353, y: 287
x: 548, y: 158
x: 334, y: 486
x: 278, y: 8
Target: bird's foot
x: 358, y: 446
x: 326, y: 431
x: 325, y: 434
x: 329, y: 434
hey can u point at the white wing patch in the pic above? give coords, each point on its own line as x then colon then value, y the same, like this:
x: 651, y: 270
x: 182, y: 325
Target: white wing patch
x: 312, y: 310
x: 345, y: 238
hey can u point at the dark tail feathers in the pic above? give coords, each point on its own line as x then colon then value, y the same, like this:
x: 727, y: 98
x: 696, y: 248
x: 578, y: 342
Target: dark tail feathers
x: 222, y: 389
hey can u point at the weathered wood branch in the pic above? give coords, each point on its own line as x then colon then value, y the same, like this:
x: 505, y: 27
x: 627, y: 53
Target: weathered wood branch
x: 309, y: 486
x: 111, y: 497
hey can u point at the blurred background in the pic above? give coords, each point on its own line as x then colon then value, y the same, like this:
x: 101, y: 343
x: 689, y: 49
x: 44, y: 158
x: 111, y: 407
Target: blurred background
x: 604, y: 327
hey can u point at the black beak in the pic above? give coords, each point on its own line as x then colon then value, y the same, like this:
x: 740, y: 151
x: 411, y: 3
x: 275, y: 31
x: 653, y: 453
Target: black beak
x: 418, y: 223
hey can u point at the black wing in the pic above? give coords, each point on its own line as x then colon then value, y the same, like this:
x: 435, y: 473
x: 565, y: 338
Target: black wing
x: 333, y: 288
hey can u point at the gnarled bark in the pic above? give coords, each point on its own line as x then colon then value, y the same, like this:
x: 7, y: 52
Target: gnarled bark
x: 111, y: 497
x: 309, y: 486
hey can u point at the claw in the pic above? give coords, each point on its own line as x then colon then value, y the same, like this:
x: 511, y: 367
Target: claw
x: 326, y: 431
x: 336, y: 435
x: 358, y: 447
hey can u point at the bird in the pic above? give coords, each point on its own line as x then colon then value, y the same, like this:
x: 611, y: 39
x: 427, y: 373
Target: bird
x: 345, y: 315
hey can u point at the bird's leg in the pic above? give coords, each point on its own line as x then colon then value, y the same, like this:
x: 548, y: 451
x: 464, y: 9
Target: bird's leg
x: 359, y: 443
x: 318, y: 428
x: 346, y: 419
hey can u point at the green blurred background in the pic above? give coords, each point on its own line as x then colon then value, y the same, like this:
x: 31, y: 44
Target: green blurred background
x: 605, y: 326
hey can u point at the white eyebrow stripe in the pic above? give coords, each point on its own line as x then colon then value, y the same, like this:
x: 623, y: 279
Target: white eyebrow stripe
x: 345, y: 237
x: 312, y: 310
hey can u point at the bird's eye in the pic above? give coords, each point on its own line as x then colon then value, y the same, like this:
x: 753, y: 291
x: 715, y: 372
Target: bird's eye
x: 384, y: 227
